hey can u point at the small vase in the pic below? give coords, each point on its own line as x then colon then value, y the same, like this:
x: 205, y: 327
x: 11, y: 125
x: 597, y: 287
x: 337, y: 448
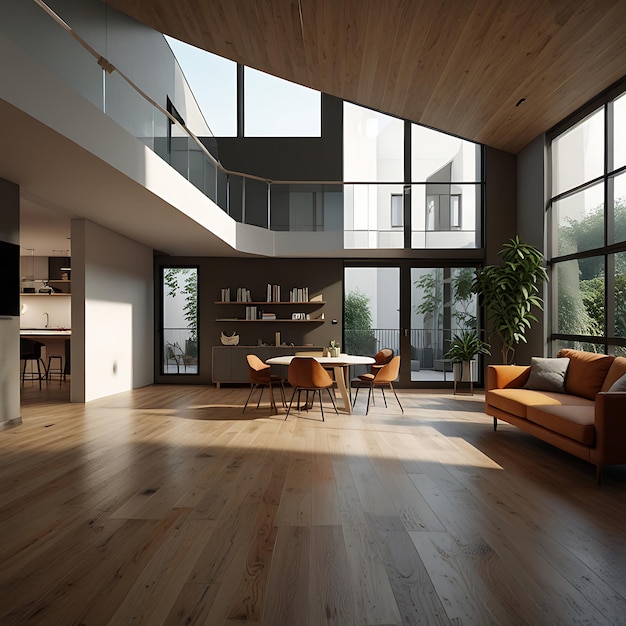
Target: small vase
x: 333, y: 352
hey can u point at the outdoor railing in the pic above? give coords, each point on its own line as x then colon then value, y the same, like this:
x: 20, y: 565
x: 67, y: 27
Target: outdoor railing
x: 428, y: 347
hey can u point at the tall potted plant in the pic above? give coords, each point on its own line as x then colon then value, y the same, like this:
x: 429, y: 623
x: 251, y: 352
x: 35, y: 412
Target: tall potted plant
x: 464, y: 347
x: 509, y: 292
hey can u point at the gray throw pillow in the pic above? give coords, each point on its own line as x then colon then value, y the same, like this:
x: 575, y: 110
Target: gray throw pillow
x: 547, y: 374
x: 619, y: 384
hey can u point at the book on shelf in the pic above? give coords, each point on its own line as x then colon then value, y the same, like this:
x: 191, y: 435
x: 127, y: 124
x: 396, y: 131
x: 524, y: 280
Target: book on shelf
x: 268, y: 316
x: 243, y: 295
x: 299, y: 294
x: 226, y: 294
x: 251, y: 313
x: 273, y: 293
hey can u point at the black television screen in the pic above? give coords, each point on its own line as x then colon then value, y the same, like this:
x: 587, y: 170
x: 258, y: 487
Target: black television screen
x: 9, y: 278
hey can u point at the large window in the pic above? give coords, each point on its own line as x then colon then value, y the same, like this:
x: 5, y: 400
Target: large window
x: 179, y: 334
x: 213, y: 81
x: 274, y: 107
x: 373, y: 159
x: 446, y: 190
x: 444, y: 186
x: 588, y: 219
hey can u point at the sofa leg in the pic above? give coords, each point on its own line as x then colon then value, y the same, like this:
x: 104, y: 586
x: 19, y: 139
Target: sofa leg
x: 495, y: 423
x: 599, y: 474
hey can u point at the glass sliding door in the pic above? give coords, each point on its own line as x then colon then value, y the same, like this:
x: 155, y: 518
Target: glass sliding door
x: 441, y: 305
x: 415, y: 311
x: 179, y: 335
x: 371, y: 310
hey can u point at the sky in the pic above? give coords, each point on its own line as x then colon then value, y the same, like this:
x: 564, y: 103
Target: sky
x: 273, y: 107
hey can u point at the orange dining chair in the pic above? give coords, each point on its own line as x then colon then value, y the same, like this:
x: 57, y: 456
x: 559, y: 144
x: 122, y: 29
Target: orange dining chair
x: 260, y: 375
x: 306, y: 374
x: 381, y: 358
x: 382, y: 378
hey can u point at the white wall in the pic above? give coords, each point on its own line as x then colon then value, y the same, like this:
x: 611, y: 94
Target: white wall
x: 34, y: 308
x: 113, y: 331
x: 9, y: 326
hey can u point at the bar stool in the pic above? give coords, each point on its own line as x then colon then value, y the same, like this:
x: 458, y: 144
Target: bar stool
x: 30, y: 350
x: 55, y: 371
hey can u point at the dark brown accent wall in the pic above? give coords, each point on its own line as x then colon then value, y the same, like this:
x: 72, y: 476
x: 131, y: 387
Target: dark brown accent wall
x: 500, y: 201
x: 321, y: 276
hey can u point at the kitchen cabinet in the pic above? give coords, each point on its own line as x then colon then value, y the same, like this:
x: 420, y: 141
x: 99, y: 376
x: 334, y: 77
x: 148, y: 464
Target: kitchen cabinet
x: 59, y: 273
x: 38, y: 272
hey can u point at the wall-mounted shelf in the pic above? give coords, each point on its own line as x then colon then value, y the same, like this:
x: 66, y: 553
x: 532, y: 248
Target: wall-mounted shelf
x: 47, y: 295
x: 254, y: 308
x: 258, y: 303
x: 281, y: 320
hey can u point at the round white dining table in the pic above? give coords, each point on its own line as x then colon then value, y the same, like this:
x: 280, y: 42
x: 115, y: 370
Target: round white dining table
x: 341, y: 369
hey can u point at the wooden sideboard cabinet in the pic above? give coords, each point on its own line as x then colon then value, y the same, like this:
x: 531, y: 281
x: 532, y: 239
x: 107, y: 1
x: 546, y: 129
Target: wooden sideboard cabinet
x: 229, y: 363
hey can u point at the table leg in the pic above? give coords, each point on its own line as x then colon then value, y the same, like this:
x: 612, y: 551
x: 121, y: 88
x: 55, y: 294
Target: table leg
x: 340, y: 379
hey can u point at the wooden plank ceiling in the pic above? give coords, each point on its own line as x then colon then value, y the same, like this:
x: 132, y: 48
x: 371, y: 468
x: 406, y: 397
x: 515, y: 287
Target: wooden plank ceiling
x: 460, y: 66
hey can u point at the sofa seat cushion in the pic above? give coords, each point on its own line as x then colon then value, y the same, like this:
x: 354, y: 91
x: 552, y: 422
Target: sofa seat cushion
x: 517, y: 401
x: 573, y: 421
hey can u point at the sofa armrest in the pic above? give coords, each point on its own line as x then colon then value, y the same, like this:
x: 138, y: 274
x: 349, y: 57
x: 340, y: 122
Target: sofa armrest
x: 610, y: 421
x: 503, y: 376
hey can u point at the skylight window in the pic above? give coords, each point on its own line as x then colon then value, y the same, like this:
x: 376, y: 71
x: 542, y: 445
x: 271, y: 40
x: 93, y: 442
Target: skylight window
x: 274, y: 107
x: 213, y: 82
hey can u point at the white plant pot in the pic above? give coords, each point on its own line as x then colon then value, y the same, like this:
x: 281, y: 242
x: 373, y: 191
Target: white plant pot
x: 465, y: 372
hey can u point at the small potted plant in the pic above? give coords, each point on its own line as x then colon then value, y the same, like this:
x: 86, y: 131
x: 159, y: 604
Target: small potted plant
x: 464, y: 346
x: 333, y: 348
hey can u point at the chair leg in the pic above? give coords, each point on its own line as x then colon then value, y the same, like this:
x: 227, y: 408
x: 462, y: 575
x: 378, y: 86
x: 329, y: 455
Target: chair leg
x: 332, y: 399
x: 249, y: 396
x: 356, y: 393
x: 384, y: 399
x: 319, y: 391
x: 282, y: 393
x: 369, y: 396
x: 260, y: 396
x: 291, y: 401
x: 398, y: 399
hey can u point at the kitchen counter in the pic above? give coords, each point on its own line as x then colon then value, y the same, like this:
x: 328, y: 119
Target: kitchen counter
x: 45, y: 332
x: 56, y: 343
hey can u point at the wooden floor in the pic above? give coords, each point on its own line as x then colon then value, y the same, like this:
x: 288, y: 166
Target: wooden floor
x: 166, y: 505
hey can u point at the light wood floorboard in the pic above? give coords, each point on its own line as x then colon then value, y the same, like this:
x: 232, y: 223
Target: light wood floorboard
x: 166, y: 505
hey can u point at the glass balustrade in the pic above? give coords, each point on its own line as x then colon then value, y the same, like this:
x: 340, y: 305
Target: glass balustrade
x: 371, y: 214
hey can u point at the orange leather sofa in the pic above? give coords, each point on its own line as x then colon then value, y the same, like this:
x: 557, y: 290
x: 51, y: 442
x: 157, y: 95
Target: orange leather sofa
x: 587, y: 420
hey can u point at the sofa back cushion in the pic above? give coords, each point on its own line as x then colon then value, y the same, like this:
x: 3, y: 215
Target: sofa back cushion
x: 617, y: 370
x: 586, y: 372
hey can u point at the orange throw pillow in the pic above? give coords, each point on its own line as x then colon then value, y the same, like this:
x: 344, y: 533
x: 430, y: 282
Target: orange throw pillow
x: 586, y: 372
